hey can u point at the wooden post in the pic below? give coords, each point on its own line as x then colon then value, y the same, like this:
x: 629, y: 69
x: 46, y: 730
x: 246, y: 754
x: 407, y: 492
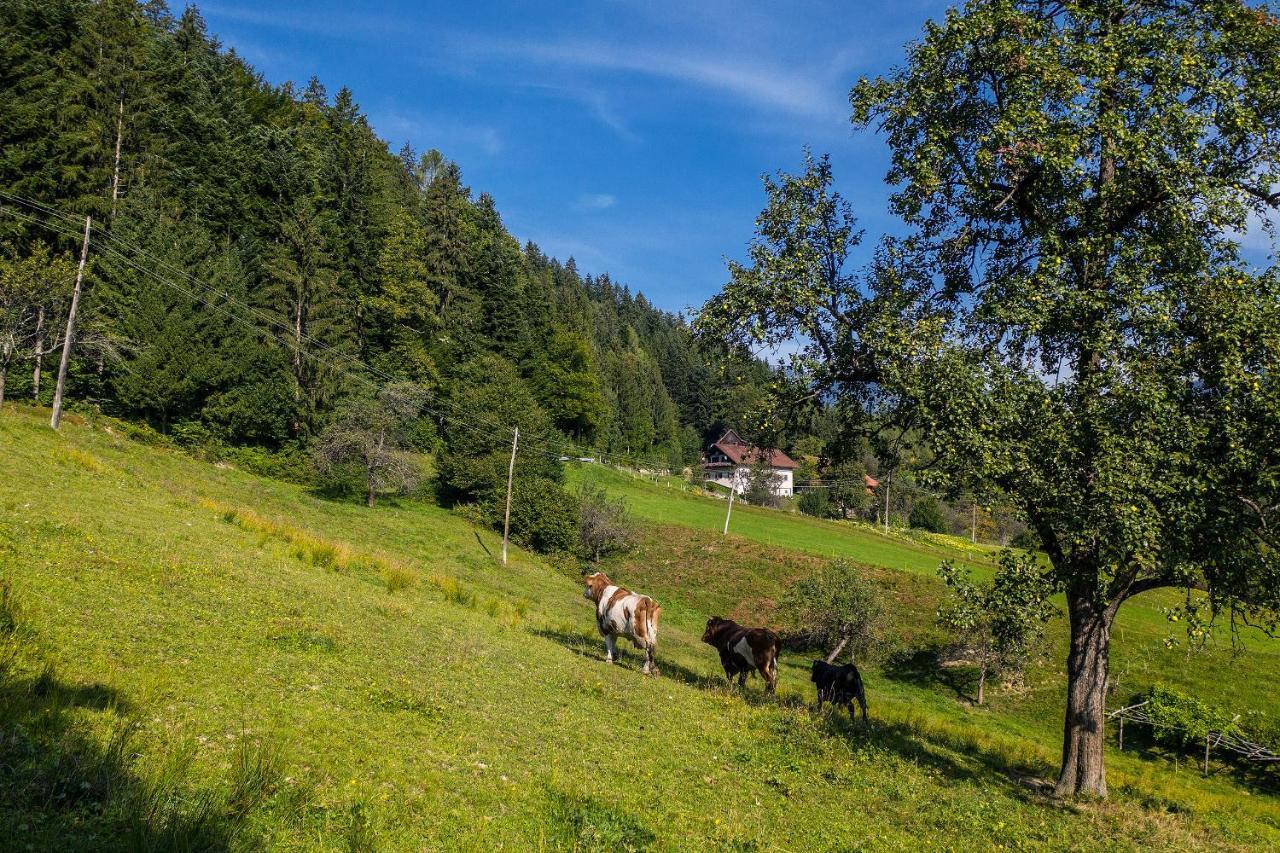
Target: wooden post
x: 973, y: 531
x: 733, y: 483
x: 1122, y: 733
x: 888, y: 477
x: 71, y: 329
x: 511, y: 470
x: 1206, y: 752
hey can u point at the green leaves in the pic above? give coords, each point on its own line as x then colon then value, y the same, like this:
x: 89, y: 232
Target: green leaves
x: 1001, y: 623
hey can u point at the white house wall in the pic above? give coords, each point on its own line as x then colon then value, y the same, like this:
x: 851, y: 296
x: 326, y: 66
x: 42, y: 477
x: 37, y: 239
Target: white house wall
x: 783, y: 482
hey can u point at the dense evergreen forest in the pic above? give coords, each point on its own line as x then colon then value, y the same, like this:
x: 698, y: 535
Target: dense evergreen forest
x: 260, y: 259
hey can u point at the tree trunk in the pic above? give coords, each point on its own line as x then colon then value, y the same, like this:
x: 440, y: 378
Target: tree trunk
x: 982, y: 683
x: 1082, y: 741
x: 115, y: 172
x: 835, y: 653
x: 35, y: 371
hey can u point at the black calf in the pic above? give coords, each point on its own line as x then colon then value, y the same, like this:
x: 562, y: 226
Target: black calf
x: 840, y: 685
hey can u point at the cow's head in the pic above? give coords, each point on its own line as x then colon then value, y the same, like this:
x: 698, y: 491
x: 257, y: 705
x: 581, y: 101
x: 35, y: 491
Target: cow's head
x: 595, y: 585
x: 713, y: 628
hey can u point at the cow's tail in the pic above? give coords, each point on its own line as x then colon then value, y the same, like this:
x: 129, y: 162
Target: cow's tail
x: 771, y: 666
x: 651, y: 637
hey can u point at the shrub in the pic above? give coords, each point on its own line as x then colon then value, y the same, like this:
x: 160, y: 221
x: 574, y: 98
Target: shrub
x: 603, y: 525
x: 814, y: 502
x: 835, y: 609
x: 926, y: 514
x: 1179, y: 720
x: 1026, y: 539
x: 544, y: 516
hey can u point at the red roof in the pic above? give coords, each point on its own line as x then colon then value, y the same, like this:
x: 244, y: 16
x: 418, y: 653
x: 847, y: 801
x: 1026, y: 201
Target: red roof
x: 741, y: 453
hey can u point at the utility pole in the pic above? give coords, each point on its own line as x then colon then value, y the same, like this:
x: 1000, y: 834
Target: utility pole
x: 71, y: 329
x: 887, y: 478
x: 733, y: 489
x: 511, y: 470
x: 973, y: 530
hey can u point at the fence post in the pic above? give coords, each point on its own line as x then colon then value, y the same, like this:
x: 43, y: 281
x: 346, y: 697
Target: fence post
x: 729, y: 511
x: 1122, y: 734
x: 1206, y: 753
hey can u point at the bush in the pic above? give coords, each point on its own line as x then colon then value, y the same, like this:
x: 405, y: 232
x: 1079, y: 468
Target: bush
x: 1026, y: 539
x: 814, y: 502
x: 1179, y: 720
x: 927, y: 515
x: 603, y: 525
x: 836, y: 609
x: 544, y: 516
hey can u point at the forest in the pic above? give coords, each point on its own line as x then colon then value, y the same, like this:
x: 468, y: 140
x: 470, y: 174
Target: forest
x: 261, y: 261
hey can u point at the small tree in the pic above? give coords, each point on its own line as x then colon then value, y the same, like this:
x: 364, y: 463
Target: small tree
x: 835, y: 609
x: 926, y: 514
x: 848, y: 490
x: 762, y: 485
x: 370, y: 440
x: 997, y: 626
x: 25, y: 285
x: 814, y: 502
x: 603, y: 525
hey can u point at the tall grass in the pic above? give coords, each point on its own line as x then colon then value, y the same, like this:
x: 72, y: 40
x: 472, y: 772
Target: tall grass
x: 310, y: 548
x: 398, y: 577
x: 79, y: 458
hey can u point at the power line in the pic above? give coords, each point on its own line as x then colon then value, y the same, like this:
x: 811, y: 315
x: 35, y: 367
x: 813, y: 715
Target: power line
x: 547, y: 446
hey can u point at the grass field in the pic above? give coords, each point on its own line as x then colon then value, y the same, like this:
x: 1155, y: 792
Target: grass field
x: 200, y: 658
x: 664, y: 503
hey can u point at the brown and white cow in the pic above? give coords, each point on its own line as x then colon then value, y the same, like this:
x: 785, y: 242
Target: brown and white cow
x: 621, y: 612
x: 744, y: 649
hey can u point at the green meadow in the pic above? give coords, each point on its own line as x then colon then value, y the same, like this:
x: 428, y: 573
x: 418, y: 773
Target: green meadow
x: 193, y: 657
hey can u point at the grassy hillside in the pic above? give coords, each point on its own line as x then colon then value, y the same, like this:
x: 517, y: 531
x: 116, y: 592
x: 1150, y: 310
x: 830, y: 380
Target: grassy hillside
x: 205, y: 656
x: 664, y: 503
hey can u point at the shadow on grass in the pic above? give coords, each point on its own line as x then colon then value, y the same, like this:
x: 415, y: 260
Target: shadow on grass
x: 922, y: 668
x: 1260, y: 777
x: 592, y: 646
x: 69, y: 775
x: 954, y: 752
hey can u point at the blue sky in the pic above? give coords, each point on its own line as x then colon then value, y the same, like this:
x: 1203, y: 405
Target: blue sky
x: 629, y: 135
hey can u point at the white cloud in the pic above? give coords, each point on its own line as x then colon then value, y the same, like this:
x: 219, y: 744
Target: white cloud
x: 745, y: 78
x: 596, y: 201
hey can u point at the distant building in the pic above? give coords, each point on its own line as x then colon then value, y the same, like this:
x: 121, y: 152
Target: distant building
x: 729, y: 461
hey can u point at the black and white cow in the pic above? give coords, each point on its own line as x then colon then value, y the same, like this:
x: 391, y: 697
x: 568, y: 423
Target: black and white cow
x: 744, y: 649
x: 839, y: 684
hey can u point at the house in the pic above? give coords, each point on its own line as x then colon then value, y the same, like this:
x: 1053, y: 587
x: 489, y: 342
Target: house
x: 729, y: 462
